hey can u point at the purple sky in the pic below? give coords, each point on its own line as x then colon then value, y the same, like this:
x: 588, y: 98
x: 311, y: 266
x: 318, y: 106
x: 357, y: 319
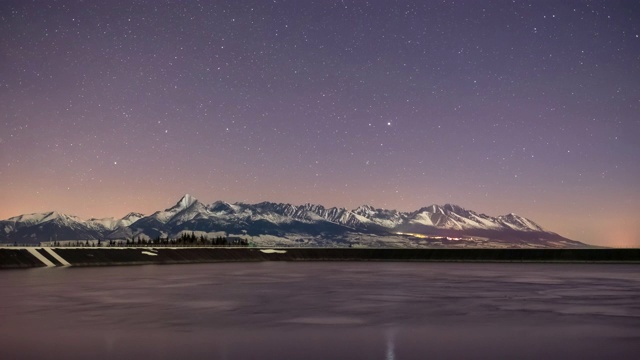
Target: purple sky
x: 108, y: 107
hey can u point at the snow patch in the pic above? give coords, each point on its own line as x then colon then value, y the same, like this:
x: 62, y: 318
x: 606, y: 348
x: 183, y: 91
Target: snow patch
x: 273, y: 251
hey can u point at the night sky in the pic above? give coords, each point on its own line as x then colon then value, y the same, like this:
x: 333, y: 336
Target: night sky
x: 531, y: 107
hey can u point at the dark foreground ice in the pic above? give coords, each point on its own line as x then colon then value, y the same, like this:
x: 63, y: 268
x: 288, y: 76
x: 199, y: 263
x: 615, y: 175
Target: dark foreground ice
x: 322, y: 310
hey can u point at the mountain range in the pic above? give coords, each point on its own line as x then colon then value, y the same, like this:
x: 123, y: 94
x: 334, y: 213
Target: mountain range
x: 278, y: 224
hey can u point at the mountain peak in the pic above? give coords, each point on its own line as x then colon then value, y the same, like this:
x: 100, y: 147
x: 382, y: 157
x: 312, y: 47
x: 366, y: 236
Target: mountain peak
x: 453, y: 207
x: 133, y: 216
x: 223, y: 206
x: 364, y: 208
x: 434, y: 209
x: 518, y: 222
x: 186, y: 201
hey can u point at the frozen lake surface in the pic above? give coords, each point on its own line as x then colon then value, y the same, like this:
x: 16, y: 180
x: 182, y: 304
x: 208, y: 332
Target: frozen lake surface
x: 322, y: 310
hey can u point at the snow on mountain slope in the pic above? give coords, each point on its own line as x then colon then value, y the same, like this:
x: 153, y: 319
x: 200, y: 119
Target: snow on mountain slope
x: 455, y: 217
x: 30, y: 228
x: 166, y: 215
x: 186, y: 201
x: 130, y: 218
x: 106, y: 223
x: 516, y: 222
x: 188, y: 208
x: 304, y: 222
x: 221, y: 207
x: 381, y: 217
x: 113, y: 223
x: 191, y: 210
x: 422, y: 218
x: 39, y: 218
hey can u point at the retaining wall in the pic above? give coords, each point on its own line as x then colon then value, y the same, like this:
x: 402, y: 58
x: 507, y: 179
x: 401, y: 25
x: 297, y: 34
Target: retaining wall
x: 11, y: 257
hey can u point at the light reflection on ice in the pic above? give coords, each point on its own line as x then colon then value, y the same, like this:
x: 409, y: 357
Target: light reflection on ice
x: 391, y: 345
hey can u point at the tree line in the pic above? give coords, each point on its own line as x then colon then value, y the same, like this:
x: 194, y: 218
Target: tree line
x: 183, y: 240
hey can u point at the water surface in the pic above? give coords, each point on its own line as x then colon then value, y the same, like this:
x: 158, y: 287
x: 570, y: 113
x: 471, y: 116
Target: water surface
x: 322, y: 310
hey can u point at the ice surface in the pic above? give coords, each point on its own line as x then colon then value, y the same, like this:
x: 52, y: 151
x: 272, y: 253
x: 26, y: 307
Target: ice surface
x: 324, y: 310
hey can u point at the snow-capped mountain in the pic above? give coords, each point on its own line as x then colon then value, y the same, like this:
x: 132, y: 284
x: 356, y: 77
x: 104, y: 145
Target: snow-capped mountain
x: 33, y: 228
x: 113, y: 223
x: 285, y: 224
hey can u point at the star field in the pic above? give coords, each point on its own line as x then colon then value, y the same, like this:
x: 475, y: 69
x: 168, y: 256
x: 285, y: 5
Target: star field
x: 501, y: 106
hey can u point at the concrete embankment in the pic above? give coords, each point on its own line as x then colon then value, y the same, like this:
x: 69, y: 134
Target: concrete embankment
x: 13, y: 257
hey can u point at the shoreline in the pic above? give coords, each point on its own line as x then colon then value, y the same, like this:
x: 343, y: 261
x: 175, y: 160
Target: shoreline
x: 33, y: 257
